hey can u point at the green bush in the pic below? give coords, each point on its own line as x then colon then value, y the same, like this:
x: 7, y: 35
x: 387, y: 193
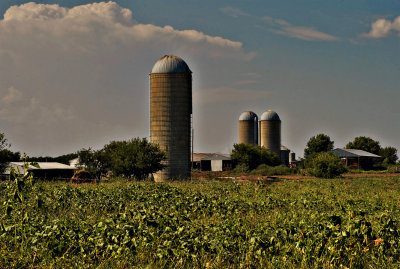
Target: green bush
x: 240, y: 169
x: 265, y: 170
x: 325, y: 165
x: 252, y: 156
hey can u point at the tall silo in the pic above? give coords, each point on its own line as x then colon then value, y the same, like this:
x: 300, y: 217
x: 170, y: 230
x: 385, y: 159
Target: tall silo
x: 248, y: 128
x: 170, y: 115
x: 271, y: 131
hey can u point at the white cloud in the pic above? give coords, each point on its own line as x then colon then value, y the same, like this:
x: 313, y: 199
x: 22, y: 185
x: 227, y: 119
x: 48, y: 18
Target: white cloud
x: 282, y: 27
x: 78, y: 77
x: 383, y: 28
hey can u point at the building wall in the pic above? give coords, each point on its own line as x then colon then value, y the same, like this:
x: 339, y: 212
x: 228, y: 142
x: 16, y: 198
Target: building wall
x: 170, y: 122
x: 216, y: 165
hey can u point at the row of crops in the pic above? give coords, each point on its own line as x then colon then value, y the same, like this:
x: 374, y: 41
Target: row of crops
x: 210, y: 224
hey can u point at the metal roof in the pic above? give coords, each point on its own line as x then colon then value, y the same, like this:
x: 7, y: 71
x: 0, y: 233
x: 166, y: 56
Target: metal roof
x: 284, y: 148
x: 45, y: 165
x: 353, y: 153
x: 18, y: 166
x: 217, y: 156
x: 170, y: 64
x: 248, y: 115
x: 197, y: 157
x: 270, y: 115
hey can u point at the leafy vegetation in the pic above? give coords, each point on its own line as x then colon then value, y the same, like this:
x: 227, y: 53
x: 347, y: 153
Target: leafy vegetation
x: 249, y: 157
x: 6, y: 155
x: 60, y: 159
x: 308, y: 223
x: 133, y: 158
x: 365, y: 143
x: 265, y: 170
x: 324, y: 165
x: 317, y: 144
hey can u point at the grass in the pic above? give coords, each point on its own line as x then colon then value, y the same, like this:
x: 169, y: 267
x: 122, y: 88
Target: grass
x: 351, y: 222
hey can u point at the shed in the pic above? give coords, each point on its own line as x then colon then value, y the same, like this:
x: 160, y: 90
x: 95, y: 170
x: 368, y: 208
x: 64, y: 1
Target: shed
x: 354, y: 158
x: 196, y: 160
x: 216, y: 162
x: 47, y: 170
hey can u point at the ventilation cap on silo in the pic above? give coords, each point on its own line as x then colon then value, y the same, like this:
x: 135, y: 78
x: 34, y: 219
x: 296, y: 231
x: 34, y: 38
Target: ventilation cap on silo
x: 270, y: 115
x: 248, y: 115
x: 170, y: 64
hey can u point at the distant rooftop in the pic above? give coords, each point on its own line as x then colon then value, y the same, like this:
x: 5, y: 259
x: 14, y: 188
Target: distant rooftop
x: 18, y: 166
x: 353, y: 153
x: 217, y: 156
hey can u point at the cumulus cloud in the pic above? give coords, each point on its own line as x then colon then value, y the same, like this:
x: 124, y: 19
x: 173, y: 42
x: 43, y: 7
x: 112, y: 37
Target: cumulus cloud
x: 78, y: 77
x: 282, y: 27
x: 383, y: 28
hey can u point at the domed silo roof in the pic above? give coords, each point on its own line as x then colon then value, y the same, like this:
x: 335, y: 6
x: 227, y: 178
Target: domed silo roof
x: 270, y: 115
x: 248, y: 115
x: 170, y: 64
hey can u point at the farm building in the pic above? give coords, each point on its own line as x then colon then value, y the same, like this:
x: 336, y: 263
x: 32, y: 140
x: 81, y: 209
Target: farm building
x: 47, y: 170
x: 355, y: 158
x: 211, y: 162
x: 216, y: 162
x: 196, y: 160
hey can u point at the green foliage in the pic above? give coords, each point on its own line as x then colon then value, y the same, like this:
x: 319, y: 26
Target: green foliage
x: 265, y: 170
x: 133, y: 158
x: 60, y: 159
x: 251, y: 156
x: 366, y: 144
x: 389, y: 155
x: 18, y: 185
x: 317, y: 144
x: 240, y: 169
x: 310, y: 223
x: 3, y: 153
x: 96, y: 163
x: 325, y: 165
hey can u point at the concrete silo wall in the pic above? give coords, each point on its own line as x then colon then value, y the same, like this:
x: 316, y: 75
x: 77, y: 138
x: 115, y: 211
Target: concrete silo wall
x: 271, y: 135
x: 246, y: 132
x: 170, y: 121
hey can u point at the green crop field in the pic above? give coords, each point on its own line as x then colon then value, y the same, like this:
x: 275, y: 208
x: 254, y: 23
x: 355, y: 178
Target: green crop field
x: 302, y: 223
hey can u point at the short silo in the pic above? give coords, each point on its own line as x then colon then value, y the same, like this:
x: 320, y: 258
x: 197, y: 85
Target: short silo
x: 292, y: 157
x: 248, y: 128
x: 170, y: 115
x: 271, y: 131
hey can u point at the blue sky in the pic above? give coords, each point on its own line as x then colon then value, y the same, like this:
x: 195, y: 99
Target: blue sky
x: 317, y: 63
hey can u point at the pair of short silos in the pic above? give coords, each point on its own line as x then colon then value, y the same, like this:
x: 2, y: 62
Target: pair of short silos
x: 266, y: 132
x: 171, y: 115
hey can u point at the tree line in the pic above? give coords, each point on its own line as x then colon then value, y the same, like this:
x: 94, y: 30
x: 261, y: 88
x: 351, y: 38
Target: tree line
x: 137, y: 158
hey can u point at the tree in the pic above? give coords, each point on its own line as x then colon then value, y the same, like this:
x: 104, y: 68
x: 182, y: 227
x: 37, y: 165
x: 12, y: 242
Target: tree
x: 251, y: 156
x: 389, y: 155
x: 366, y: 144
x: 6, y: 155
x: 3, y: 156
x: 133, y: 158
x: 94, y: 162
x: 325, y: 165
x: 318, y: 143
